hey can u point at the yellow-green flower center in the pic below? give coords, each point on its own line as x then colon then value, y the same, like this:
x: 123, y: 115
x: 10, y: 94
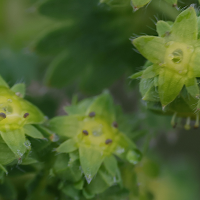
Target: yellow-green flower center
x: 96, y: 132
x: 178, y: 56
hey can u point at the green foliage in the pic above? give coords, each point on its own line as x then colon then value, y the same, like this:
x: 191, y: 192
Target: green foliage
x: 85, y: 47
x: 94, y: 150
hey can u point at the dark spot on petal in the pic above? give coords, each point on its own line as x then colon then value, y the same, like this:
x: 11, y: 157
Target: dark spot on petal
x: 167, y: 33
x: 108, y: 141
x: 92, y: 114
x: 3, y: 115
x: 115, y: 124
x: 26, y: 115
x: 85, y: 132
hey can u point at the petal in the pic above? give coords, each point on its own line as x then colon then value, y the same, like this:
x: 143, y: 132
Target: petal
x: 169, y: 86
x: 110, y: 164
x: 3, y: 83
x: 91, y: 160
x: 68, y: 126
x: 98, y: 185
x: 198, y: 24
x: 6, y: 155
x: 35, y: 115
x: 163, y: 28
x: 67, y: 146
x: 103, y: 106
x: 16, y: 141
x: 194, y: 65
x: 192, y: 86
x: 185, y: 26
x: 32, y: 132
x: 19, y: 89
x: 151, y: 47
x: 151, y: 71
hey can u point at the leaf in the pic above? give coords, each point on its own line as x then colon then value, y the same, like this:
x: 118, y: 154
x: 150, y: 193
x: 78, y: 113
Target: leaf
x: 6, y: 155
x: 139, y: 3
x: 63, y: 70
x: 110, y: 164
x: 79, y: 185
x: 136, y: 75
x: 98, y: 76
x: 185, y: 26
x: 32, y: 132
x: 2, y: 168
x: 15, y: 139
x: 91, y: 160
x: 98, y: 185
x: 62, y: 9
x: 88, y: 195
x: 68, y: 126
x: 28, y: 161
x: 192, y: 87
x: 172, y: 2
x: 151, y: 47
x: 20, y: 89
x: 151, y: 71
x: 8, y: 191
x: 103, y: 106
x: 70, y: 191
x: 68, y: 146
x: 169, y: 86
x: 163, y: 28
x: 59, y: 38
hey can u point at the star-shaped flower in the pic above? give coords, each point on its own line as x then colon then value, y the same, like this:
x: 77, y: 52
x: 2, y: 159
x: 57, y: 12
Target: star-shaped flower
x: 91, y: 128
x: 175, y: 55
x: 16, y: 117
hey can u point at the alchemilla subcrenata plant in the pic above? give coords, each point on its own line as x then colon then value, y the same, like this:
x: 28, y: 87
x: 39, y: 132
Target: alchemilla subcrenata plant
x: 16, y: 119
x: 171, y: 73
x: 92, y: 137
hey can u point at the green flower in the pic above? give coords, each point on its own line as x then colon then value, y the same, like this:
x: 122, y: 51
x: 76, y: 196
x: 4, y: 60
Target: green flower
x: 92, y: 131
x: 175, y: 57
x: 16, y: 117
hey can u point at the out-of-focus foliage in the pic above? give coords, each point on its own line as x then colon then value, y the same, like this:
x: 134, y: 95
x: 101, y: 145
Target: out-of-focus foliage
x: 83, y: 47
x: 92, y: 44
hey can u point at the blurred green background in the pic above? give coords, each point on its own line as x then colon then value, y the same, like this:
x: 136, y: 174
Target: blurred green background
x: 67, y: 49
